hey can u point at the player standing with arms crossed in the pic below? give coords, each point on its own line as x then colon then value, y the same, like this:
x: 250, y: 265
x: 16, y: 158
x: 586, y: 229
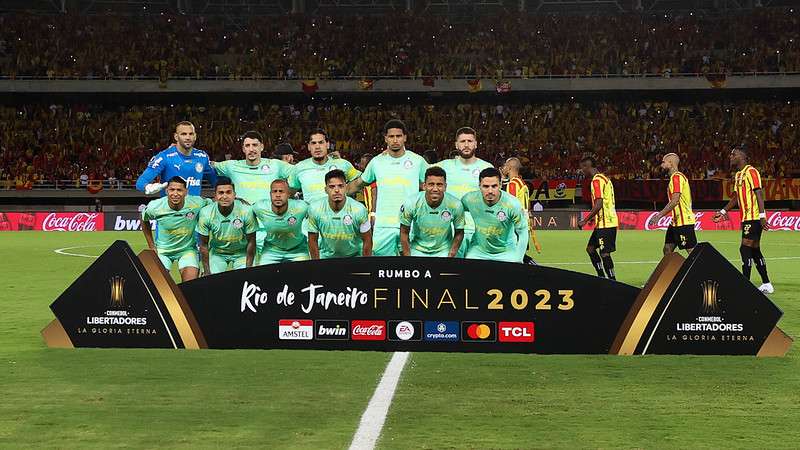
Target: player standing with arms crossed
x: 604, y: 236
x: 176, y: 215
x: 750, y: 198
x: 398, y: 173
x: 437, y: 219
x: 227, y: 231
x: 462, y: 175
x: 182, y: 160
x: 501, y: 227
x: 680, y: 232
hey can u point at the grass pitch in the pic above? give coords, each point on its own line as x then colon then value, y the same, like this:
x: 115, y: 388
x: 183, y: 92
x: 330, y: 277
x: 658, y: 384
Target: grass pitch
x: 302, y: 399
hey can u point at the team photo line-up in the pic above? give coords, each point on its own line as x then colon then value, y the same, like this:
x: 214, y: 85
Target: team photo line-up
x: 394, y: 203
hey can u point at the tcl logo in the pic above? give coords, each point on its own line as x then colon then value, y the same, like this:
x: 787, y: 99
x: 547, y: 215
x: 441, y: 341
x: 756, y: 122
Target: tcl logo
x: 368, y: 330
x: 72, y: 222
x: 516, y: 331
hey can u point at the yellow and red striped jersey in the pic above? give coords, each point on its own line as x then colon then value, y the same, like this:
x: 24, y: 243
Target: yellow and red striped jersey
x: 746, y: 182
x: 682, y: 214
x: 603, y: 189
x: 519, y: 189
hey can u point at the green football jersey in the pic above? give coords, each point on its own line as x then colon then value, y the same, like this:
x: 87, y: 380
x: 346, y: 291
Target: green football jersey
x: 496, y: 226
x: 283, y: 232
x: 339, y: 231
x: 175, y: 228
x: 397, y: 179
x: 252, y: 183
x: 227, y: 235
x: 461, y: 179
x: 432, y: 228
x: 309, y: 176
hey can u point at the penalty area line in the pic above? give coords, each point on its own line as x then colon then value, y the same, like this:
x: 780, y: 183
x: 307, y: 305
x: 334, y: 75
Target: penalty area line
x: 369, y: 429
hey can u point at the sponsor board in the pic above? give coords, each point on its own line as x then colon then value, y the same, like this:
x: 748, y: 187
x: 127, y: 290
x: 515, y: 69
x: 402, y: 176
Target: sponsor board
x: 368, y: 330
x: 52, y: 221
x: 515, y: 331
x: 478, y: 331
x: 296, y: 329
x: 640, y: 220
x: 332, y: 329
x: 405, y: 330
x: 442, y: 331
x: 419, y: 304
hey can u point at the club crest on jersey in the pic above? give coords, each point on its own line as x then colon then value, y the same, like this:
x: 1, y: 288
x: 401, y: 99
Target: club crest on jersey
x: 347, y: 219
x: 292, y: 221
x: 266, y: 169
x: 446, y: 216
x: 198, y: 167
x: 408, y: 164
x: 476, y: 172
x: 190, y: 215
x: 501, y: 216
x: 237, y: 223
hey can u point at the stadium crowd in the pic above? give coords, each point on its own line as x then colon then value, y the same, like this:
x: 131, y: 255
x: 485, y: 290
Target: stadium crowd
x: 398, y: 45
x: 70, y: 142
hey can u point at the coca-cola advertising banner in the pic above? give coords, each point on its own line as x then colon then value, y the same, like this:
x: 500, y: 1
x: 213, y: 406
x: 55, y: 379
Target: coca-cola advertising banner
x: 415, y: 304
x: 51, y: 221
x: 640, y: 220
x: 774, y: 189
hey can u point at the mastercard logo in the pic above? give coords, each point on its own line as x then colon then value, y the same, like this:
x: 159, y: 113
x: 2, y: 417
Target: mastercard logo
x: 479, y: 331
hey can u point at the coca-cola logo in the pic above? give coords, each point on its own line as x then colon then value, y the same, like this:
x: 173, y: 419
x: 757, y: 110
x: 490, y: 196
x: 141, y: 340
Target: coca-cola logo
x: 368, y: 330
x: 664, y: 222
x: 72, y: 222
x: 787, y: 221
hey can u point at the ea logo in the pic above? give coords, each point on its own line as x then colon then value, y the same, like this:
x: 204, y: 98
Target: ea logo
x: 404, y: 330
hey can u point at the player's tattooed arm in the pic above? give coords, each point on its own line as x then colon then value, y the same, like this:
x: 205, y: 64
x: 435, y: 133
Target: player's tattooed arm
x: 204, y: 255
x: 763, y: 215
x: 313, y: 245
x: 366, y: 246
x: 148, y: 234
x: 405, y: 244
x: 354, y: 186
x: 673, y: 202
x: 251, y: 249
x: 458, y: 237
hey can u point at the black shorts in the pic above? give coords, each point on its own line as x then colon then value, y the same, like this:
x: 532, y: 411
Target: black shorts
x: 604, y: 239
x: 751, y: 229
x: 682, y: 237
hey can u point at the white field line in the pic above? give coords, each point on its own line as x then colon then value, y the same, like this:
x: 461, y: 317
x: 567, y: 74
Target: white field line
x: 63, y: 251
x: 369, y: 429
